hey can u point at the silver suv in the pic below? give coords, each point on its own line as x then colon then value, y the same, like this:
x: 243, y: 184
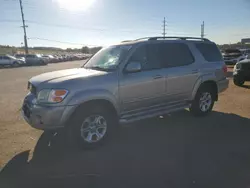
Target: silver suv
x: 124, y: 83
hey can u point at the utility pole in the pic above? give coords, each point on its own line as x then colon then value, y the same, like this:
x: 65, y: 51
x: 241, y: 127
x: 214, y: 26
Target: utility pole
x: 164, y: 27
x: 202, y: 30
x: 24, y: 28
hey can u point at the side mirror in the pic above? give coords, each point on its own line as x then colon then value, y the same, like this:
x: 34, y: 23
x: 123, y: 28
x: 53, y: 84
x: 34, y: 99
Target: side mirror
x: 133, y: 67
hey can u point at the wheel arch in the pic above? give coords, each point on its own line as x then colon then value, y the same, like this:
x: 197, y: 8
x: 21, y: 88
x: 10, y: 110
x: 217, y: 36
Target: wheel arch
x: 210, y: 83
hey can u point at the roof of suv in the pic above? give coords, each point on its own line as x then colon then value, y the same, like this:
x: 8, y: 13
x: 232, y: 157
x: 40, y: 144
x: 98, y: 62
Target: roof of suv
x: 174, y: 38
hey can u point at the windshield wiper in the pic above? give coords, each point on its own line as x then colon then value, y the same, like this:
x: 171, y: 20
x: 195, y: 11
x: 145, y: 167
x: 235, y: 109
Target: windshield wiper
x: 98, y: 68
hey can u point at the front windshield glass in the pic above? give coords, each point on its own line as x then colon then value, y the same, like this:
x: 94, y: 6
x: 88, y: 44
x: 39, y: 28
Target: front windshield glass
x: 12, y: 57
x: 107, y: 58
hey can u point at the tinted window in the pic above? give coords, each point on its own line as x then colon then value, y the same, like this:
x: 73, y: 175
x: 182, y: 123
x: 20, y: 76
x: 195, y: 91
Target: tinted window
x: 147, y: 55
x: 210, y: 52
x: 175, y: 54
x: 153, y: 57
x: 5, y: 57
x: 30, y: 56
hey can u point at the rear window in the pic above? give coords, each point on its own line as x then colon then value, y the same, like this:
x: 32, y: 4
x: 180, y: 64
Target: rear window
x: 210, y: 52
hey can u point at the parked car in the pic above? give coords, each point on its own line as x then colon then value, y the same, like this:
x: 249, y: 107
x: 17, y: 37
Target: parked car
x: 125, y: 83
x: 241, y: 72
x: 10, y: 61
x: 50, y: 58
x: 232, y: 56
x: 20, y: 56
x: 35, y: 59
x: 245, y: 51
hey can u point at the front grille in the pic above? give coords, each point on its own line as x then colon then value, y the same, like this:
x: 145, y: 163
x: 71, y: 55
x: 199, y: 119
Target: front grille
x: 245, y: 66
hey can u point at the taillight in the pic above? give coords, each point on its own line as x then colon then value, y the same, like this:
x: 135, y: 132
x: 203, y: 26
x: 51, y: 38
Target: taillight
x: 224, y: 68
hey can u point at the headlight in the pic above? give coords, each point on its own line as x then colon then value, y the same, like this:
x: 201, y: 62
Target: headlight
x: 51, y: 95
x: 238, y: 66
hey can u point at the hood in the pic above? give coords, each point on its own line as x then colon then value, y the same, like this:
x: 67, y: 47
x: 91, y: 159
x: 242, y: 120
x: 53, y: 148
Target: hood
x: 64, y: 75
x: 245, y: 61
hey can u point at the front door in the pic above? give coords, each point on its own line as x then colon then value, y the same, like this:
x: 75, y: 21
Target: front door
x: 6, y: 60
x: 145, y: 88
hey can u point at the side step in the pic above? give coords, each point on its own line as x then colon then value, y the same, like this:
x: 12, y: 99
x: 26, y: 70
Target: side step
x: 152, y: 113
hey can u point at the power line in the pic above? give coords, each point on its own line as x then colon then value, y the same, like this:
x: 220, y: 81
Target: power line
x: 24, y: 28
x: 57, y: 41
x: 86, y: 28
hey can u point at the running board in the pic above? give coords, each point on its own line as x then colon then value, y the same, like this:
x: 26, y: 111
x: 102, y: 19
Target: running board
x: 152, y: 113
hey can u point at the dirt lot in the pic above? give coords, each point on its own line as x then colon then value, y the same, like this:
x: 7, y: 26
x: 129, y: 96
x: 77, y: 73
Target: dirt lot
x: 175, y: 151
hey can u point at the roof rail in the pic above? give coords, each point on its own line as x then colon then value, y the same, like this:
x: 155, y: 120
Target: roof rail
x: 126, y: 41
x: 172, y: 37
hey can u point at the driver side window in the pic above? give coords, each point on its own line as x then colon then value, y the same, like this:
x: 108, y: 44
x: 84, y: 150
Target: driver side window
x: 147, y: 55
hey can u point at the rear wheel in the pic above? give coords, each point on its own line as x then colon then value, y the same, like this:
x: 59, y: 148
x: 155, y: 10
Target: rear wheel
x: 204, y: 101
x: 91, y: 126
x: 239, y: 81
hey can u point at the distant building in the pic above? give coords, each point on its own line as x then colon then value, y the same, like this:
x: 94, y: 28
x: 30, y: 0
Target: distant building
x: 245, y: 41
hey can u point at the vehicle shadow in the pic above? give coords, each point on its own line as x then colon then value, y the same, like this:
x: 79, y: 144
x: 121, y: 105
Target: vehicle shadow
x: 229, y: 73
x: 246, y: 86
x: 176, y: 150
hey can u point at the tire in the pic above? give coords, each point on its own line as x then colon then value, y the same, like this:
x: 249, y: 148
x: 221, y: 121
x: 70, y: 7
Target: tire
x: 204, y: 101
x: 80, y: 126
x: 238, y: 81
x: 15, y: 64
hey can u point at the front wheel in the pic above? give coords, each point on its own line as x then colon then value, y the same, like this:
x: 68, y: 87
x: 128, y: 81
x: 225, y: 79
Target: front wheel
x: 239, y: 81
x: 203, y: 102
x: 15, y: 64
x: 90, y: 127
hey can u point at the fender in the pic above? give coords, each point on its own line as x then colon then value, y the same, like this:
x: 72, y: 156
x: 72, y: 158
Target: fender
x: 93, y: 94
x: 201, y: 80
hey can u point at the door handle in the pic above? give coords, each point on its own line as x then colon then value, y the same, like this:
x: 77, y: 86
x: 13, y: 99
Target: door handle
x: 158, y: 77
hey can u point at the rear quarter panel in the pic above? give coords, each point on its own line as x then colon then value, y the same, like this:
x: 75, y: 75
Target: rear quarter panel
x: 209, y: 71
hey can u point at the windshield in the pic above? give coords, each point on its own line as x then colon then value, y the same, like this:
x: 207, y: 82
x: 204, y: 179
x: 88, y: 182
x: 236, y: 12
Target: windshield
x: 12, y: 57
x: 107, y: 58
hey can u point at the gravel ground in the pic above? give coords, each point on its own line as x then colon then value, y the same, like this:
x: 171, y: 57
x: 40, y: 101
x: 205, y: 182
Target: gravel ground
x: 177, y: 150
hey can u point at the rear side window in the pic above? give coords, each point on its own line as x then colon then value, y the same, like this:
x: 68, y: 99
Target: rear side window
x: 175, y: 55
x: 30, y: 56
x: 210, y: 52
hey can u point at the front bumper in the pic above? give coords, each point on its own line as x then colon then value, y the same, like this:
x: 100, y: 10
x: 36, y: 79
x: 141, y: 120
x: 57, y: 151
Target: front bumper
x: 222, y: 85
x: 242, y: 74
x: 45, y: 117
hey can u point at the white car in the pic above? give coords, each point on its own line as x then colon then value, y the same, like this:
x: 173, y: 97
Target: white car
x: 10, y: 61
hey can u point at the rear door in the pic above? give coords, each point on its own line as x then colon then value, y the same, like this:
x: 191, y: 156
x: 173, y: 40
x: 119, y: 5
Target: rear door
x: 181, y: 70
x: 30, y: 59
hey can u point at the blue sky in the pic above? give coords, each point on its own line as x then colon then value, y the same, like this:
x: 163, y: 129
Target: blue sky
x: 103, y: 22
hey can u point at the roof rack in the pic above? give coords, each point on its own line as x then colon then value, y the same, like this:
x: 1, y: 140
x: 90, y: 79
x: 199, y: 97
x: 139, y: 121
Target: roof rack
x: 126, y: 41
x: 173, y: 37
